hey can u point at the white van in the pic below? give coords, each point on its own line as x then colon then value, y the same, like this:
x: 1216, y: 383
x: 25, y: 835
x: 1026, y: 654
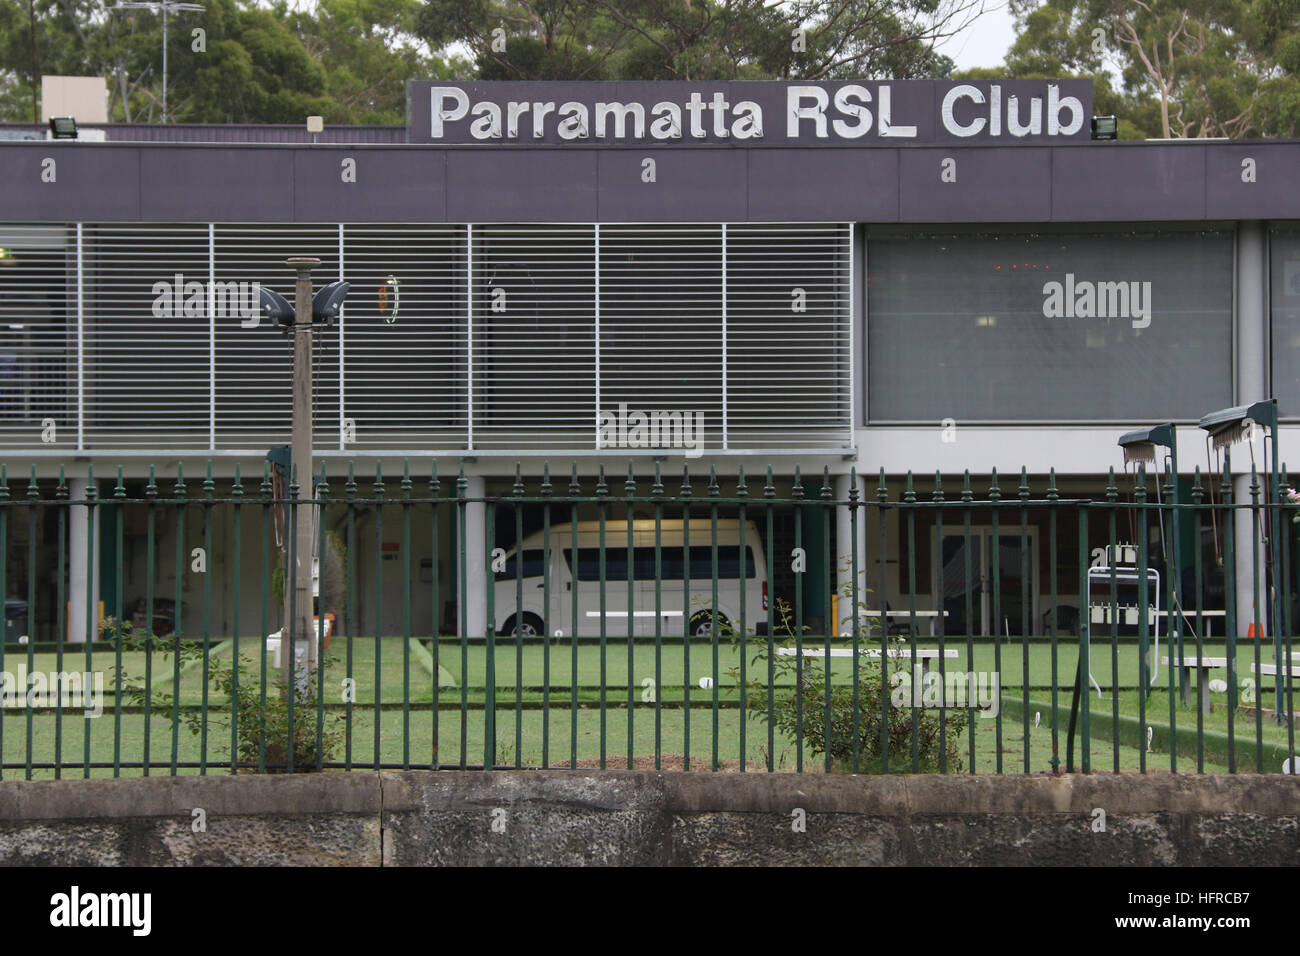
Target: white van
x: 675, y: 609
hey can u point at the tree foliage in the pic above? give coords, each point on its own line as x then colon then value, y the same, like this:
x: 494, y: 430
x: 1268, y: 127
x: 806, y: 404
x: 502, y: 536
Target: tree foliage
x: 1185, y: 67
x: 346, y: 60
x: 698, y: 39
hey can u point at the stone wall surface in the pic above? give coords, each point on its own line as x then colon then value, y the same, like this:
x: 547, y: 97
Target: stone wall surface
x: 528, y: 818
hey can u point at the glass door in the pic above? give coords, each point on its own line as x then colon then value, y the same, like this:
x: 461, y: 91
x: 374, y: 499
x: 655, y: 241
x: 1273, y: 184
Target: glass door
x: 968, y: 582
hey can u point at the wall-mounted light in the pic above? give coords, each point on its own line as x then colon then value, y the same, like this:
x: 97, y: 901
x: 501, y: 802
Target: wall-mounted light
x: 63, y: 127
x: 1105, y: 127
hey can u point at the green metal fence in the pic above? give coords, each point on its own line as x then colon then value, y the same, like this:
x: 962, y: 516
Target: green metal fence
x: 702, y: 623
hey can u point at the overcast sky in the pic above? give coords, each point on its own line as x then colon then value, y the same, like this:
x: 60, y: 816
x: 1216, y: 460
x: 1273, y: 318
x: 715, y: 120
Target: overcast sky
x: 985, y: 41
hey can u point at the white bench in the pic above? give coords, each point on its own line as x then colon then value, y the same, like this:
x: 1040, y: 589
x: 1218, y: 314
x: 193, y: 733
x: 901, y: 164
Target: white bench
x: 923, y: 654
x: 1203, y: 665
x: 897, y: 615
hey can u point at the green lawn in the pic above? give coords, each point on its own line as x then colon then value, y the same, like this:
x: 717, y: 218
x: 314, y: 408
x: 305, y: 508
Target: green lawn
x: 537, y: 721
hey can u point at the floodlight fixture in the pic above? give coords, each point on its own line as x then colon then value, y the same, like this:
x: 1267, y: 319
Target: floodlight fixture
x: 63, y: 127
x: 328, y: 302
x: 1105, y: 127
x: 275, y: 307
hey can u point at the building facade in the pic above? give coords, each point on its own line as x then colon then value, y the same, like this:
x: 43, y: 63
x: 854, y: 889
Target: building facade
x: 839, y: 277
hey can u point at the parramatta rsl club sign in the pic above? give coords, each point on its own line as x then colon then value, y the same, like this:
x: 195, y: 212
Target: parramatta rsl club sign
x: 750, y: 114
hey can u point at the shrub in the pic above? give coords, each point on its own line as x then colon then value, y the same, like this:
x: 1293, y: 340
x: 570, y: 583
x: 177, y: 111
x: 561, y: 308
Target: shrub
x: 853, y: 730
x: 263, y: 729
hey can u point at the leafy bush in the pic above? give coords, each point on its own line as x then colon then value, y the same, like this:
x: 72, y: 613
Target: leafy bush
x: 263, y: 729
x: 853, y: 729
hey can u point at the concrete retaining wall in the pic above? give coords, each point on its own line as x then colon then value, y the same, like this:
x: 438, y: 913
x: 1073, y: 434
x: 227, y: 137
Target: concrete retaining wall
x: 627, y: 817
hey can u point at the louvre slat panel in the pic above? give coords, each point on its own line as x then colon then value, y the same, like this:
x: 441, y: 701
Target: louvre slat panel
x: 662, y: 330
x: 507, y: 337
x: 789, y: 306
x: 254, y: 369
x: 404, y: 382
x: 146, y: 336
x: 38, y: 329
x: 534, y: 337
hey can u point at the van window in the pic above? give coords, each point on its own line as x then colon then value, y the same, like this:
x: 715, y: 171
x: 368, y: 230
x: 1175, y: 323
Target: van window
x: 701, y: 562
x: 671, y: 559
x: 534, y: 565
x: 589, y: 563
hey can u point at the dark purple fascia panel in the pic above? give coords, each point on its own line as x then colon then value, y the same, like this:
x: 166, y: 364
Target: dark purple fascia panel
x: 90, y: 184
x: 699, y: 185
x: 216, y: 184
x: 521, y: 186
x: 827, y: 185
x: 389, y: 186
x: 1118, y: 182
x: 1275, y: 193
x: 990, y: 185
x: 1113, y: 181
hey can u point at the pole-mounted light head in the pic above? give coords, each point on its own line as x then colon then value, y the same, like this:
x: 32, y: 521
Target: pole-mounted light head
x: 275, y: 307
x: 328, y: 301
x: 1140, y: 445
x: 1228, y: 426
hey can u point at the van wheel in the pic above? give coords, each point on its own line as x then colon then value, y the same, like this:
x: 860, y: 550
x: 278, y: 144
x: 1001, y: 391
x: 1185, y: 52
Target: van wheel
x: 532, y: 626
x: 702, y: 624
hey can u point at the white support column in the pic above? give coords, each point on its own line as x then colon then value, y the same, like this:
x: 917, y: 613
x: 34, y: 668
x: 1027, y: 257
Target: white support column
x: 83, y: 581
x: 1251, y: 386
x: 469, y: 337
x: 596, y: 330
x: 476, y: 579
x: 844, y: 553
x: 342, y: 355
x: 81, y: 340
x: 726, y: 411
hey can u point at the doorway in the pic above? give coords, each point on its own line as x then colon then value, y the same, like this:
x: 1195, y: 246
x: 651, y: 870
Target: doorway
x: 1016, y: 582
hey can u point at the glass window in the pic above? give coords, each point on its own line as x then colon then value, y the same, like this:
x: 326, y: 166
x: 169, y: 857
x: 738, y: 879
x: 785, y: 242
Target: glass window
x: 1018, y: 327
x: 672, y: 569
x: 534, y: 565
x: 671, y: 563
x: 589, y: 563
x: 1284, y: 298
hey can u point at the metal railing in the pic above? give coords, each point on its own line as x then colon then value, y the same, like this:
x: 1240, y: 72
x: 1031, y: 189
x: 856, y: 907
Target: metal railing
x: 646, y: 622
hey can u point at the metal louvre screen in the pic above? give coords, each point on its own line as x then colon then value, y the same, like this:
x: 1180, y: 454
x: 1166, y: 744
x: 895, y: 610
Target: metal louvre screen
x: 505, y: 337
x: 789, y: 366
x: 534, y: 335
x: 38, y: 336
x: 662, y: 329
x: 403, y: 381
x: 254, y: 365
x: 147, y: 350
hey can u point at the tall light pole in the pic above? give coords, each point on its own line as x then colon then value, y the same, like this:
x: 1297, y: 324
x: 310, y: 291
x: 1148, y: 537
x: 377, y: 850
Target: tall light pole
x: 166, y: 6
x: 324, y: 307
x: 299, y: 611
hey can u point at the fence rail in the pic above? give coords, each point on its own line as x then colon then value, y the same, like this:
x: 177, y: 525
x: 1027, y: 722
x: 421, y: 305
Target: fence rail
x: 638, y: 621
